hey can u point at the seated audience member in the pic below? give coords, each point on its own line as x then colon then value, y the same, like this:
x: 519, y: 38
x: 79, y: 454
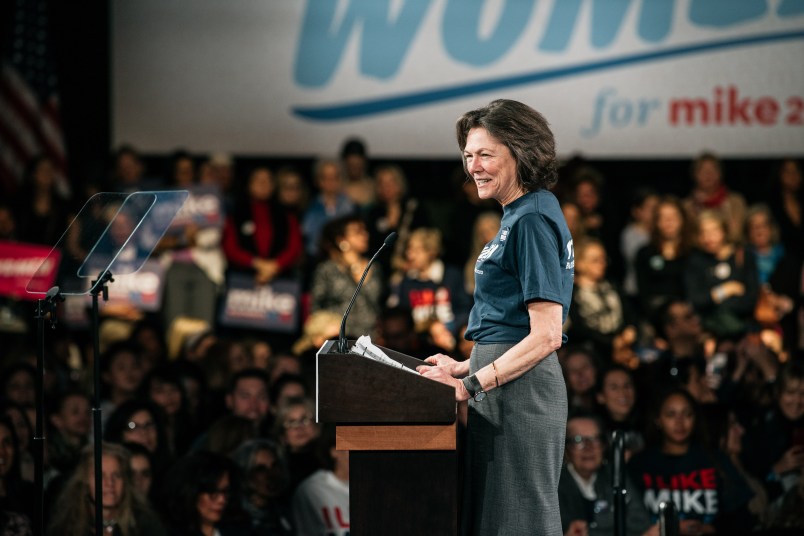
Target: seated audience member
x: 485, y: 228
x: 575, y: 224
x: 393, y: 210
x: 395, y: 330
x: 693, y: 378
x: 125, y: 512
x: 222, y: 360
x: 70, y: 426
x: 286, y: 387
x: 599, y: 314
x: 359, y: 184
x: 433, y: 291
x: 41, y: 210
x: 297, y: 432
x: 636, y: 234
x: 121, y: 375
x: 18, y: 384
x: 150, y: 336
x: 586, y: 185
x: 774, y: 451
x: 762, y: 239
x: 788, y: 518
x: 724, y: 432
x: 659, y: 265
x: 321, y: 502
x: 707, y: 490
x: 266, y: 478
x: 142, y: 468
x: 24, y: 431
x: 140, y: 421
x: 260, y: 235
x: 291, y: 191
x: 616, y: 395
x: 710, y: 193
x: 721, y: 279
x: 201, y: 496
x: 248, y: 395
x: 16, y: 495
x: 585, y: 488
x: 226, y: 434
x: 344, y: 241
x: 331, y: 202
x: 164, y: 387
x: 580, y: 372
x: 786, y: 200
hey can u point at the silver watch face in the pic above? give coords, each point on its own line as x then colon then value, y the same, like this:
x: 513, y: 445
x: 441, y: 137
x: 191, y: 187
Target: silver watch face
x: 479, y: 396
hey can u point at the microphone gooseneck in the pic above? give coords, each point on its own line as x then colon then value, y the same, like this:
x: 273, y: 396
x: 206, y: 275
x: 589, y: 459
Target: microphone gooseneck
x: 342, y: 349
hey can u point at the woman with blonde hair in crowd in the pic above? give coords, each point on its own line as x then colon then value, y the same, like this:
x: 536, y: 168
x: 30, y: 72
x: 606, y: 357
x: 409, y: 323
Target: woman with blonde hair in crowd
x: 432, y: 291
x: 125, y: 511
x: 721, y: 279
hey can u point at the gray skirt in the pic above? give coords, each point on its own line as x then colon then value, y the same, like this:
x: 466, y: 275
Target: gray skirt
x: 515, y: 447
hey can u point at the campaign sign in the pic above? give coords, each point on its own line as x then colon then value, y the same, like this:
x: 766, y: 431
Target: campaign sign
x: 203, y: 208
x: 272, y: 307
x: 19, y: 262
x: 141, y: 290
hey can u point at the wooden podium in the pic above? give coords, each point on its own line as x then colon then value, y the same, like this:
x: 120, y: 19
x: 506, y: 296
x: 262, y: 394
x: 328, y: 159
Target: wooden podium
x: 400, y: 431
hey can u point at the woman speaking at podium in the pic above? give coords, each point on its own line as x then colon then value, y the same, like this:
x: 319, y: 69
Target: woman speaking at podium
x: 523, y: 286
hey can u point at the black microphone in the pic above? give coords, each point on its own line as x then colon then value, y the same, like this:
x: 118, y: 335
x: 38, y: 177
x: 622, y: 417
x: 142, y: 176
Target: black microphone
x: 389, y: 241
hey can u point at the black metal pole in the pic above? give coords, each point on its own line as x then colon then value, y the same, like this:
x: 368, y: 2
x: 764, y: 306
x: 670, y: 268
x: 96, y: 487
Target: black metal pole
x: 50, y: 300
x: 618, y: 466
x: 98, y: 287
x: 39, y: 439
x: 668, y: 519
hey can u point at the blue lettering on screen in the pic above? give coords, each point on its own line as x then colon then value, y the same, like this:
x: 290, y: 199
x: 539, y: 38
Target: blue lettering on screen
x: 384, y: 43
x: 460, y: 27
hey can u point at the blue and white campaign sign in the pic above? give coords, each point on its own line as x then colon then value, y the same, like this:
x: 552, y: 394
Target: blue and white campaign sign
x: 274, y: 306
x: 616, y: 78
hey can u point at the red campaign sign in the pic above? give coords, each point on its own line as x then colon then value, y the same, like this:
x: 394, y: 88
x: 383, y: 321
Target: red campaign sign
x: 18, y: 264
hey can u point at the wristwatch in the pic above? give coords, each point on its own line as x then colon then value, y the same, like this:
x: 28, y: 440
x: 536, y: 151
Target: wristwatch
x: 474, y: 388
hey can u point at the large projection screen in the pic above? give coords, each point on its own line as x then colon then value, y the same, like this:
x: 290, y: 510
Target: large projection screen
x: 616, y: 78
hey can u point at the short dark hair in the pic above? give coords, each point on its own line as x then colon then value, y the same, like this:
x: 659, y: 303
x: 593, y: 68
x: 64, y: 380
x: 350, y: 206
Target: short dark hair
x: 255, y: 373
x: 353, y: 146
x: 524, y: 131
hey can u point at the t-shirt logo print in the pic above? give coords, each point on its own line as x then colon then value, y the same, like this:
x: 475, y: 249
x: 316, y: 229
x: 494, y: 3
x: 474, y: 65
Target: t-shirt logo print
x: 570, y: 255
x: 487, y: 252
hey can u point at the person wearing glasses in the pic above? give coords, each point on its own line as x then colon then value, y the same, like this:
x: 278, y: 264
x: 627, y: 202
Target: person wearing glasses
x: 296, y: 430
x: 200, y: 497
x: 585, y: 490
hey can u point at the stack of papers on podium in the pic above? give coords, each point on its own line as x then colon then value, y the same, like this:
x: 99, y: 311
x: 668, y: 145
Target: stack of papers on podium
x: 363, y: 346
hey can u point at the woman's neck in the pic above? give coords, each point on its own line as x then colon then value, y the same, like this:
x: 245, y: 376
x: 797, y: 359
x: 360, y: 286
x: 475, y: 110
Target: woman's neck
x: 675, y: 449
x: 724, y: 252
x: 584, y: 281
x: 207, y: 529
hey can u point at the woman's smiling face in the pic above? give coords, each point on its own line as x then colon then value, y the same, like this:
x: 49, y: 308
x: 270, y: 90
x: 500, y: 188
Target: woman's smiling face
x: 492, y: 166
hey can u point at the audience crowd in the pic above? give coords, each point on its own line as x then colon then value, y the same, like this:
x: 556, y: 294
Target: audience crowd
x: 685, y: 335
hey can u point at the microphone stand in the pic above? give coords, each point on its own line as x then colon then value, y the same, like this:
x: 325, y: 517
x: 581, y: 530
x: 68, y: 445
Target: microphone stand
x: 620, y: 491
x: 342, y: 343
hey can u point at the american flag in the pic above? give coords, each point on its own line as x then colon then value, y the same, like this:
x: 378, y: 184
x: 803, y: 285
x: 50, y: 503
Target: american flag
x: 29, y: 104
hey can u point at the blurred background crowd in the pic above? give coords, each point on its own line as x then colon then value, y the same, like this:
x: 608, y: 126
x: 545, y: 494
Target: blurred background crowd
x: 685, y: 333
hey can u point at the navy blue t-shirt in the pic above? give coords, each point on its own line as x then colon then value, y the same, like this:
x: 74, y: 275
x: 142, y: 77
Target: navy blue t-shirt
x: 531, y: 258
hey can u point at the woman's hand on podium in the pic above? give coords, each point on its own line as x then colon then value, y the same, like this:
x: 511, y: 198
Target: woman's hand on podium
x: 446, y: 370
